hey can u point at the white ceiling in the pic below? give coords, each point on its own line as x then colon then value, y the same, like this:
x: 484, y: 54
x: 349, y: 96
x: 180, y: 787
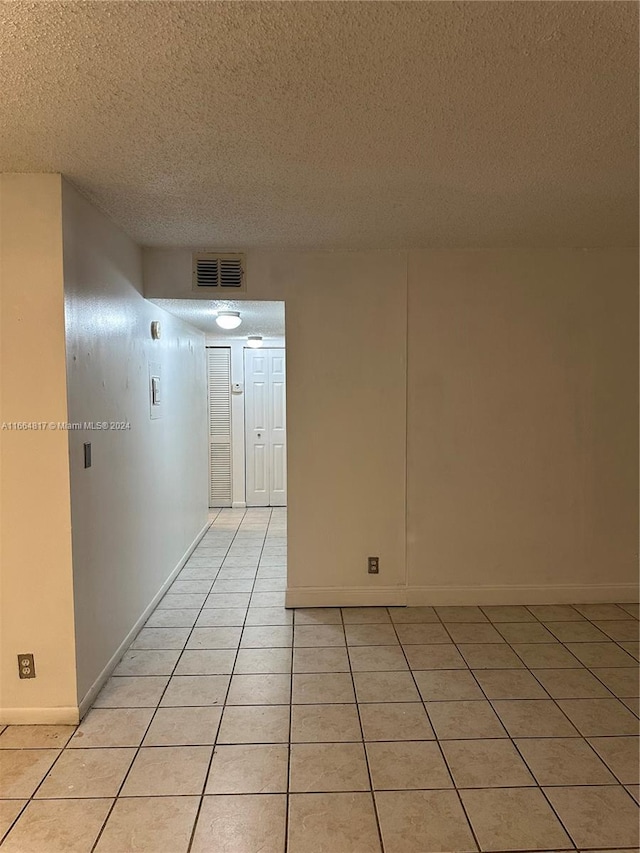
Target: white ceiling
x: 258, y: 318
x: 347, y: 125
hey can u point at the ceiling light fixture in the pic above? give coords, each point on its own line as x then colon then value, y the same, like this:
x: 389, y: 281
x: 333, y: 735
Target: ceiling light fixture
x: 254, y: 341
x: 228, y: 319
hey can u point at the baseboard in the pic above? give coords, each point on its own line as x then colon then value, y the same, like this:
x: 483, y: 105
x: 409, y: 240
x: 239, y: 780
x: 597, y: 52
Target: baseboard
x: 98, y: 684
x: 522, y: 594
x: 344, y: 596
x: 65, y: 716
x: 239, y: 505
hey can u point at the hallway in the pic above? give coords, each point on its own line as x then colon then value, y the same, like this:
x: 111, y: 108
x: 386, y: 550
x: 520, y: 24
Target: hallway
x: 494, y: 728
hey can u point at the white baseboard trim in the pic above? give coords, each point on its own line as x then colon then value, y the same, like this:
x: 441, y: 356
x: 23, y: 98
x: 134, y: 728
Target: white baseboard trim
x: 65, y: 716
x: 239, y: 505
x: 344, y: 596
x: 98, y: 684
x: 522, y: 594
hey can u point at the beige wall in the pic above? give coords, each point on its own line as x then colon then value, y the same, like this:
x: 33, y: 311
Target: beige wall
x: 143, y: 504
x: 522, y: 425
x: 36, y: 603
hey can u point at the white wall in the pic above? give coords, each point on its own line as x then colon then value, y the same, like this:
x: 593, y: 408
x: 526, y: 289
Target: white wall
x: 138, y: 510
x: 36, y: 591
x: 522, y: 426
x: 522, y: 421
x: 238, y: 444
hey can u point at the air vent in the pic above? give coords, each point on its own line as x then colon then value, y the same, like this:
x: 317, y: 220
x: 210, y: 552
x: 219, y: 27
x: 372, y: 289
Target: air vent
x: 216, y: 272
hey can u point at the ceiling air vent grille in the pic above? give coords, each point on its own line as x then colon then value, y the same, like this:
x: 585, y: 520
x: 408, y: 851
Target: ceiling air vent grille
x: 218, y: 272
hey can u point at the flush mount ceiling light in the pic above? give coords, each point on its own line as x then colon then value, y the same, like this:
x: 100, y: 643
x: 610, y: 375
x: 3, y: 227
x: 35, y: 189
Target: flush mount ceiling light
x: 254, y: 341
x: 228, y: 319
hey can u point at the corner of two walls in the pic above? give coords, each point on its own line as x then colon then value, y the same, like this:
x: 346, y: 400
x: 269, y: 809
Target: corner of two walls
x: 142, y: 505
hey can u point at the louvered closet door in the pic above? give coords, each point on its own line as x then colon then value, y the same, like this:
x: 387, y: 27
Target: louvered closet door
x: 219, y: 380
x: 265, y: 426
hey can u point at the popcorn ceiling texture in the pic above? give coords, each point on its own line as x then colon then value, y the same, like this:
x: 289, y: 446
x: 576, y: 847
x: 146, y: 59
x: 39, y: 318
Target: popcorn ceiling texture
x: 332, y: 125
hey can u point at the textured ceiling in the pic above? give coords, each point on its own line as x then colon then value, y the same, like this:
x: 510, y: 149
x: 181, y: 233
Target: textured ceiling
x: 332, y: 125
x: 258, y: 318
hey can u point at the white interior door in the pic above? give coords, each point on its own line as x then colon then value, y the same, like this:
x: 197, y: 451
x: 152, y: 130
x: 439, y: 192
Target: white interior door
x: 219, y: 398
x: 265, y: 427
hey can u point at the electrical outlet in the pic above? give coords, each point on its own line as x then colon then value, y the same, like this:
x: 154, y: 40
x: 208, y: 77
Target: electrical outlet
x: 374, y: 565
x: 26, y: 666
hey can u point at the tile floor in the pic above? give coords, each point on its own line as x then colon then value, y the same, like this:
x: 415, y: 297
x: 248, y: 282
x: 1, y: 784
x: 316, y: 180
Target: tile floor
x: 235, y: 726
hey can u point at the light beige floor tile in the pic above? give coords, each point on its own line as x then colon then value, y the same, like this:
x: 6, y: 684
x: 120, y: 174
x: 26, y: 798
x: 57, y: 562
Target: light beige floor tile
x: 255, y: 724
x: 182, y: 601
x: 489, y: 656
x: 147, y: 662
x: 563, y: 761
x: 132, y: 692
x: 23, y: 770
x: 620, y: 630
x: 87, y: 773
x: 328, y: 823
x: 227, y: 637
x: 232, y: 585
x: 267, y: 599
x: 545, y: 656
x: 161, y: 638
x: 602, y: 611
x: 486, y: 764
x: 222, y: 617
x: 407, y: 765
x: 227, y: 599
x: 423, y: 822
x: 392, y: 721
x: 260, y: 689
x: 533, y: 718
x: 526, y: 632
x: 241, y: 824
x: 153, y: 824
x: 555, y: 612
x: 160, y: 771
x: 318, y: 635
x: 206, y: 662
x: 254, y: 661
x: 371, y: 635
x: 466, y: 719
x: 267, y: 637
x: 461, y: 614
x: 365, y: 615
x: 576, y: 632
x: 509, y: 684
x: 601, y: 654
x: 184, y: 587
x: 597, y: 816
x: 35, y: 737
x: 474, y: 632
x: 508, y: 613
x: 621, y: 755
x: 570, y: 683
x: 422, y: 633
x: 377, y: 658
x: 513, y: 819
x: 333, y: 659
x: 385, y: 687
x: 193, y: 573
x: 412, y: 615
x: 184, y: 690
x: 248, y: 769
x: 112, y: 727
x: 70, y: 826
x: 325, y: 723
x: 593, y: 717
x: 172, y: 619
x: 269, y: 616
x: 447, y: 684
x: 320, y: 767
x: 436, y: 656
x: 9, y: 811
x: 184, y: 727
x: 322, y: 688
x: 621, y: 681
